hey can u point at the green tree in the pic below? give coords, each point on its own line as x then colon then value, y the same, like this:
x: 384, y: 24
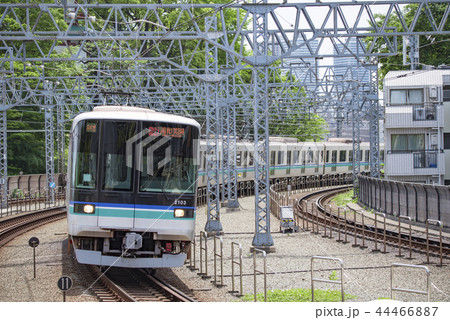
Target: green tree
x: 434, y: 50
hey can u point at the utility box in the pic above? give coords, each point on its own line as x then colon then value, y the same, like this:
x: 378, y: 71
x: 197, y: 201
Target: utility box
x: 287, y: 219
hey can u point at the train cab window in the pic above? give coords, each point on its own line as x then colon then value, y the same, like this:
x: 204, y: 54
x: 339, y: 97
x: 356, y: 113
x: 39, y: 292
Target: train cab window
x: 245, y: 160
x: 85, y: 146
x: 118, y: 155
x: 280, y: 157
x: 342, y: 155
x: 168, y: 159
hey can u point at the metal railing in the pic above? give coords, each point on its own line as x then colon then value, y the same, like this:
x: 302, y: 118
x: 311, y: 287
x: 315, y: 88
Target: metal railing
x: 425, y: 159
x: 239, y: 263
x: 427, y: 293
x: 341, y: 282
x: 255, y: 272
x: 424, y: 112
x: 204, y: 235
x: 220, y: 256
x: 440, y: 239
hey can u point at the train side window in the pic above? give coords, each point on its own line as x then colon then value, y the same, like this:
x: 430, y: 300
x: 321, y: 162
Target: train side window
x: 328, y: 156
x: 204, y: 160
x: 310, y: 156
x: 238, y: 158
x: 367, y: 155
x: 245, y: 160
x: 280, y: 157
x: 289, y: 157
x: 316, y: 157
x: 350, y: 156
x: 296, y: 156
x: 272, y: 157
x: 250, y: 160
x: 342, y: 155
x: 303, y: 157
x: 334, y: 156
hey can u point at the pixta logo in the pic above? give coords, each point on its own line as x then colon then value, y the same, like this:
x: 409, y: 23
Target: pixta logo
x: 148, y: 142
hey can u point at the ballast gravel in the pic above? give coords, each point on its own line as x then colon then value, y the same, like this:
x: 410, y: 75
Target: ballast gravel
x: 366, y: 275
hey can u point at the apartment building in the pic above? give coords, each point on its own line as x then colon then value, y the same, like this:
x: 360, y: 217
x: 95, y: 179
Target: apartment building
x: 417, y: 126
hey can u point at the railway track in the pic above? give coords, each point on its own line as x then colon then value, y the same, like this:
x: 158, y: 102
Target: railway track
x: 13, y: 226
x: 316, y: 214
x: 131, y: 285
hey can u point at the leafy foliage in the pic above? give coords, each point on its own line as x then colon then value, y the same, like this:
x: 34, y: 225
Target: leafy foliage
x: 433, y: 49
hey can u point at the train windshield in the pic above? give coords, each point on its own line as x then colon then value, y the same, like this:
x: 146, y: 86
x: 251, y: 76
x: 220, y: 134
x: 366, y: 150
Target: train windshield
x: 85, y: 144
x: 167, y: 152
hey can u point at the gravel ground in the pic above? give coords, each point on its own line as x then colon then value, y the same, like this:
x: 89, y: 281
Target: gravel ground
x: 366, y: 275
x: 17, y: 282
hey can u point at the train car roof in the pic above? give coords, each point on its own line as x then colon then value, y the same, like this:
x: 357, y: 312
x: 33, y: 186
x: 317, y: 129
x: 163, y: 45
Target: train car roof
x: 133, y: 113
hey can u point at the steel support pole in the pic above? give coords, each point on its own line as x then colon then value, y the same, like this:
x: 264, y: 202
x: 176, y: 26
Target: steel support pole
x: 356, y: 122
x: 374, y: 114
x: 49, y: 142
x: 3, y: 158
x: 213, y: 224
x: 262, y: 238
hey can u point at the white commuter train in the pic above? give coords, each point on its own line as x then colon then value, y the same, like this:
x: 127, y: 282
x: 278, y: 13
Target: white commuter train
x: 289, y: 158
x: 132, y: 187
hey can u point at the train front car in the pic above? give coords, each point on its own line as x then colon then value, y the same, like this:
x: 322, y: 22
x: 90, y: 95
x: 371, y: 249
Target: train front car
x: 133, y: 187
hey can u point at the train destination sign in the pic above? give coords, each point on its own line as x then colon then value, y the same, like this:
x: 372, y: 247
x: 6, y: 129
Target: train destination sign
x: 166, y: 131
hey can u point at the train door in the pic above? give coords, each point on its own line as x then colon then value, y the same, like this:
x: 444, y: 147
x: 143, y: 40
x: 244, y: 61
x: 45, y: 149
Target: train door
x: 116, y: 199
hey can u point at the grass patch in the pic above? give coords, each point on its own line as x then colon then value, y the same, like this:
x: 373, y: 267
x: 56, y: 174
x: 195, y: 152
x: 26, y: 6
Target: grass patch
x: 344, y: 198
x: 299, y: 295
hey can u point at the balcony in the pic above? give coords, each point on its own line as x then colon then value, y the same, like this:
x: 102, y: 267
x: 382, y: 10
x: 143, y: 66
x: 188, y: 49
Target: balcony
x: 424, y: 112
x: 427, y: 162
x: 419, y: 115
x: 425, y: 159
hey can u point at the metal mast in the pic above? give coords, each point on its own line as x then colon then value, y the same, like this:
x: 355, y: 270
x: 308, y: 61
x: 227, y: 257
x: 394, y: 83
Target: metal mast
x: 262, y: 238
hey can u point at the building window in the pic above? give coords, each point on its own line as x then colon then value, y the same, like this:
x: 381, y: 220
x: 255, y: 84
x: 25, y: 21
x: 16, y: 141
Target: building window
x: 446, y: 93
x: 406, y: 96
x: 447, y: 141
x: 407, y: 142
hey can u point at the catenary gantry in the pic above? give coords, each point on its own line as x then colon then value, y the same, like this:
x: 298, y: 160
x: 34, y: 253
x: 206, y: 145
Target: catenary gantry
x: 155, y: 67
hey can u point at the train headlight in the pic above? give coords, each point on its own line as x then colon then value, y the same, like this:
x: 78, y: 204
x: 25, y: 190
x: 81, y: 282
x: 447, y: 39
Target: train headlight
x: 179, y: 213
x: 183, y: 213
x: 84, y: 208
x: 89, y: 208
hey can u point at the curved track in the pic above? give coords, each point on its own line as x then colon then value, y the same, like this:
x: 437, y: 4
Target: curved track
x: 13, y: 226
x: 319, y: 217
